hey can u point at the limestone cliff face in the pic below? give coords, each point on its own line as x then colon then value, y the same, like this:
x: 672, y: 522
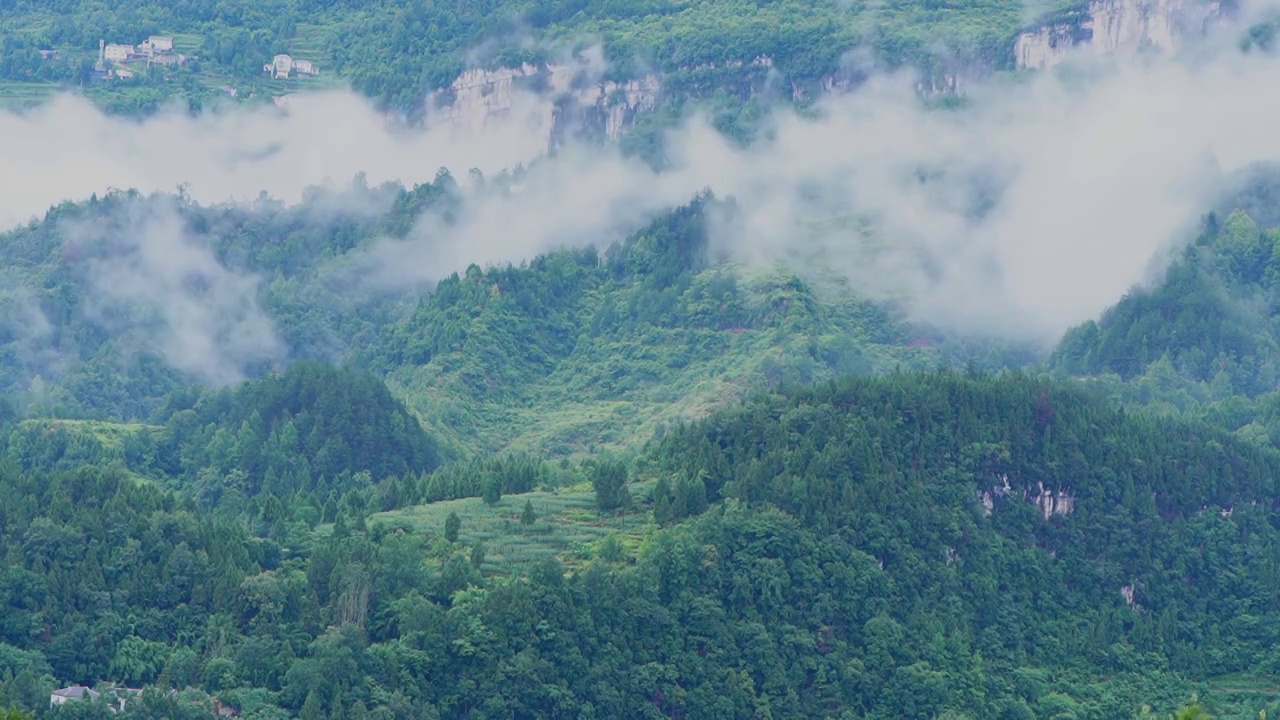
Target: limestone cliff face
x: 618, y: 103
x: 557, y: 98
x: 547, y: 96
x: 1117, y: 27
x: 1049, y: 501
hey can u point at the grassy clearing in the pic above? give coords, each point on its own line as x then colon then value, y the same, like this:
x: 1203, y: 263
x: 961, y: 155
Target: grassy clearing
x: 187, y: 43
x: 1240, y: 694
x: 17, y: 95
x: 110, y: 434
x: 309, y: 42
x: 567, y: 528
x: 1264, y: 686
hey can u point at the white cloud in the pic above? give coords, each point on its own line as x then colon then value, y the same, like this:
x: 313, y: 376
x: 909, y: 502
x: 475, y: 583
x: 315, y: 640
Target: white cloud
x: 1086, y: 175
x: 157, y: 289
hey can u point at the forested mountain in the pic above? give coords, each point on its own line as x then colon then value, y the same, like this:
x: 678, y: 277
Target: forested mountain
x: 394, y: 453
x: 902, y: 547
x: 399, y: 52
x: 106, y: 312
x: 1210, y: 316
x: 1204, y: 337
x: 593, y: 344
x: 583, y: 348
x: 313, y: 429
x: 309, y: 429
x: 626, y: 481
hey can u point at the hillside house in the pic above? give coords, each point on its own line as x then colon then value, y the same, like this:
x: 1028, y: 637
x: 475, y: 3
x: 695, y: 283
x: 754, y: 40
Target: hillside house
x: 118, y: 53
x: 305, y: 67
x: 75, y: 693
x: 279, y: 67
x: 156, y: 45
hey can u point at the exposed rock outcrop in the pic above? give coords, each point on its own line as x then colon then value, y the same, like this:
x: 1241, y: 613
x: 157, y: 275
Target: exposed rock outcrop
x: 1050, y: 502
x: 571, y: 96
x: 543, y: 94
x: 1108, y: 27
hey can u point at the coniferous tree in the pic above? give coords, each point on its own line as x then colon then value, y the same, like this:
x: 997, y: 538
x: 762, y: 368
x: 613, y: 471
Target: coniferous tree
x: 609, y: 480
x: 491, y: 490
x: 311, y: 708
x: 452, y: 525
x: 662, y: 511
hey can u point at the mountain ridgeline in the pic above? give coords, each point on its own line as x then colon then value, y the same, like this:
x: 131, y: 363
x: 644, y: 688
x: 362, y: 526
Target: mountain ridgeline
x: 1211, y: 315
x: 625, y: 481
x: 312, y: 429
x: 911, y: 546
x: 302, y: 461
x: 1204, y: 339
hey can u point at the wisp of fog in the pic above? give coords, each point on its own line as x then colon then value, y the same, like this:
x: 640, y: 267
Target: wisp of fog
x: 1032, y: 208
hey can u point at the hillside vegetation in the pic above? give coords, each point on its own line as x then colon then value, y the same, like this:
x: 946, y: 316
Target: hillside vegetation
x: 1204, y: 338
x: 583, y: 350
x: 615, y: 482
x: 853, y: 568
x: 397, y: 52
x: 258, y: 461
x: 574, y: 351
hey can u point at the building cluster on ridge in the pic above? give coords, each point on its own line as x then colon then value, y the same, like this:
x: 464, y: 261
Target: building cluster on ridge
x: 116, y: 698
x: 156, y: 49
x: 281, y: 66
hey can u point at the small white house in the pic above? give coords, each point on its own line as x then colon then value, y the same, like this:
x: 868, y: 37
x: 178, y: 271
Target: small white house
x: 157, y: 44
x: 74, y: 693
x: 118, y: 53
x: 305, y: 67
x: 279, y: 66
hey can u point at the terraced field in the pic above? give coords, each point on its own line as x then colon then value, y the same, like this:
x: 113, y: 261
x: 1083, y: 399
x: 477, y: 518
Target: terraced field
x: 568, y: 526
x: 110, y: 434
x: 17, y: 95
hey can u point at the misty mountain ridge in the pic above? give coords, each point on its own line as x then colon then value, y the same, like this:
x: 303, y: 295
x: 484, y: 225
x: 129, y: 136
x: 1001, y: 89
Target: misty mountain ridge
x: 587, y: 359
x: 102, y: 296
x: 648, y: 331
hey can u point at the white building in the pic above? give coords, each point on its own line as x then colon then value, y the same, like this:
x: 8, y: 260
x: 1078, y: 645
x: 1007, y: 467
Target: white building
x: 118, y: 53
x: 279, y: 66
x: 156, y: 44
x: 72, y: 694
x: 305, y: 67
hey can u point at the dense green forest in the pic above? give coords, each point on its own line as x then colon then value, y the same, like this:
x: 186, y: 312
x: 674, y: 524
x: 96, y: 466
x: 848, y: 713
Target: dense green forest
x: 244, y: 473
x: 907, y: 547
x: 396, y: 52
x: 630, y: 481
x: 1203, y: 338
x: 576, y: 350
